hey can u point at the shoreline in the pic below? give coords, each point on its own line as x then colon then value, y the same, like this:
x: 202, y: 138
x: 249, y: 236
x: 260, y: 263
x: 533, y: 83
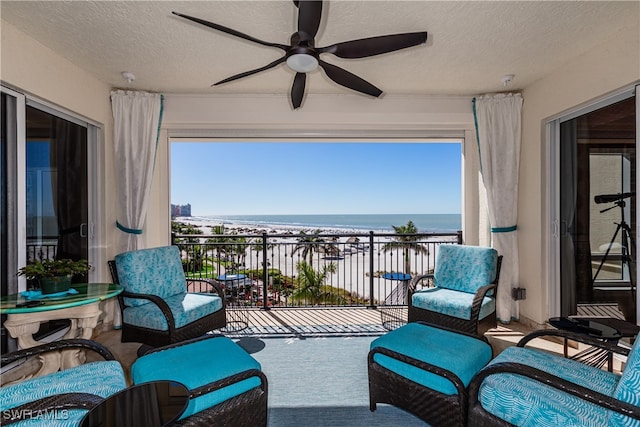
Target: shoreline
x: 352, y: 266
x: 240, y: 227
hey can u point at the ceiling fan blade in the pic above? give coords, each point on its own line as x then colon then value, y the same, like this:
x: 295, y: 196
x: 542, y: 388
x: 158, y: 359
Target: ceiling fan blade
x: 231, y: 31
x: 309, y: 15
x: 249, y: 73
x: 297, y: 90
x: 375, y: 45
x: 349, y: 80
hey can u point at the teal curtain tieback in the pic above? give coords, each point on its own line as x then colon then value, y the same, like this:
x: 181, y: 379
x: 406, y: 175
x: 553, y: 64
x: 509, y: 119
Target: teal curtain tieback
x: 128, y: 230
x: 504, y: 229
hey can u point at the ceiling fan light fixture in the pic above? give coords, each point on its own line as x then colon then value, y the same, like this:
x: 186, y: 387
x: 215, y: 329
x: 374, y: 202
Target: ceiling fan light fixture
x: 302, y: 62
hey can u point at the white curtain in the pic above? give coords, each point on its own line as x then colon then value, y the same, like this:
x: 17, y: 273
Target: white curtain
x: 498, y: 126
x: 137, y: 117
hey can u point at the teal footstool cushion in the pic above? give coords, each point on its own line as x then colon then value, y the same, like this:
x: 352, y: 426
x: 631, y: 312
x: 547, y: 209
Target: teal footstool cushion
x: 457, y: 353
x: 425, y: 369
x: 198, y: 363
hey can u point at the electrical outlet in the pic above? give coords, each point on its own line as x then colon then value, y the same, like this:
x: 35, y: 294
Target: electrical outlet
x: 518, y: 293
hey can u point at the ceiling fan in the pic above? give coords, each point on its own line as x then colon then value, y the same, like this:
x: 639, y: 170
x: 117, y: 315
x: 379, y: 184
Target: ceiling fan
x: 302, y: 56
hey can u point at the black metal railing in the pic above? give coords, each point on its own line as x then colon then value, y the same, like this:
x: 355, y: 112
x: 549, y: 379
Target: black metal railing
x: 305, y: 270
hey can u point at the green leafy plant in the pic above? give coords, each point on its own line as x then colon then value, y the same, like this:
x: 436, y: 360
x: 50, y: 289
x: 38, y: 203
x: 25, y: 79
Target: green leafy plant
x: 54, y: 268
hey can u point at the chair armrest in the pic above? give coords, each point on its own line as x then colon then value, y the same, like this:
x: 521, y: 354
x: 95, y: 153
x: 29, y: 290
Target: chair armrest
x: 416, y: 279
x: 585, y: 339
x: 575, y: 390
x: 216, y: 287
x: 441, y: 372
x: 57, y: 346
x: 479, y: 296
x: 162, y: 305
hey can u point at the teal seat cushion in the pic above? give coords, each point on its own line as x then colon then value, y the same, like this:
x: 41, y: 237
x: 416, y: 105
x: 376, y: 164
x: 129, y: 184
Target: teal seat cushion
x: 197, y: 364
x: 628, y: 388
x: 525, y: 402
x: 451, y: 302
x: 153, y: 271
x: 99, y: 378
x: 185, y: 307
x: 465, y: 268
x: 460, y: 354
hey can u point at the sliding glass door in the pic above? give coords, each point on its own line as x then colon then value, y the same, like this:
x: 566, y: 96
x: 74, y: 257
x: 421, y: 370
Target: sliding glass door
x: 597, y: 207
x: 46, y: 180
x: 56, y: 187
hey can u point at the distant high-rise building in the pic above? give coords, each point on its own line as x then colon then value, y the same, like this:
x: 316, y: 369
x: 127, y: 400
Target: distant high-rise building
x: 180, y: 210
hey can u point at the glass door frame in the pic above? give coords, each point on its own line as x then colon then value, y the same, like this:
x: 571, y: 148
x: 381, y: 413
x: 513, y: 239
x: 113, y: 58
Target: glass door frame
x: 552, y: 219
x: 17, y: 182
x: 16, y: 195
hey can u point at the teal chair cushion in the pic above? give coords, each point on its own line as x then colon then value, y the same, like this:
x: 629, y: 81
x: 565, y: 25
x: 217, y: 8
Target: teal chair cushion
x: 154, y: 271
x: 185, y: 307
x: 525, y: 402
x: 460, y: 354
x: 99, y: 378
x: 197, y: 364
x: 628, y: 388
x: 450, y: 302
x: 465, y: 268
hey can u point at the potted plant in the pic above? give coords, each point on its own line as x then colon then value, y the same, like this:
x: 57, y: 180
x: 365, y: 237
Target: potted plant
x: 54, y: 275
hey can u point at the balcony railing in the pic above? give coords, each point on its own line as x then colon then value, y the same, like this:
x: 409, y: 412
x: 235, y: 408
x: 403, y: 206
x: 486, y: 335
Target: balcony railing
x: 311, y: 270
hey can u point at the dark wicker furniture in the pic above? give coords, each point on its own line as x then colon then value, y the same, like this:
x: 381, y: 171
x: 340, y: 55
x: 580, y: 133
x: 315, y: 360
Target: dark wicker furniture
x: 473, y: 325
x: 434, y: 407
x: 155, y: 337
x: 53, y: 402
x: 478, y: 416
x: 247, y: 409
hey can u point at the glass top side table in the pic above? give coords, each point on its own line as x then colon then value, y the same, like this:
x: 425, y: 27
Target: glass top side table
x: 82, y: 308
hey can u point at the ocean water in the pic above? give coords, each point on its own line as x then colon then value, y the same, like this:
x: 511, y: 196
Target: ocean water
x: 426, y: 223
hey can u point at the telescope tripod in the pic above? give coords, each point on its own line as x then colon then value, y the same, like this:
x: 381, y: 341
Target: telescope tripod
x: 626, y: 257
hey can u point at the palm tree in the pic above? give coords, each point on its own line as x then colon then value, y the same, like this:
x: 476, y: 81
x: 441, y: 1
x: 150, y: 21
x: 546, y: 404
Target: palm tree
x: 309, y: 243
x: 406, y: 240
x: 310, y: 285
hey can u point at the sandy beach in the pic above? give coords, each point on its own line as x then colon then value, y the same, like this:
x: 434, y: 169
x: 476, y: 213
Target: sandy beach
x: 352, y: 259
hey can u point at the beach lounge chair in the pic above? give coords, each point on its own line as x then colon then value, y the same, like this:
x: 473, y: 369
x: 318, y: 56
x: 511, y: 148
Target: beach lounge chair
x: 156, y: 307
x: 524, y: 386
x: 461, y: 292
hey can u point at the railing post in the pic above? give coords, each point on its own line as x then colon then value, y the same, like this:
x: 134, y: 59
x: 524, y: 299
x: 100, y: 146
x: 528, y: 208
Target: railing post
x: 371, y: 259
x: 459, y: 233
x: 265, y: 272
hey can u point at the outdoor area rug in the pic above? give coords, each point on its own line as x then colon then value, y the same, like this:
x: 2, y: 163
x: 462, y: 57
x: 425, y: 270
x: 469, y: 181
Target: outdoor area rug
x: 321, y: 382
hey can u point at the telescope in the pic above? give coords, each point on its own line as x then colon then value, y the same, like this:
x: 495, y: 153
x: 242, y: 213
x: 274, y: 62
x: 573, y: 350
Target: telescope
x: 609, y: 198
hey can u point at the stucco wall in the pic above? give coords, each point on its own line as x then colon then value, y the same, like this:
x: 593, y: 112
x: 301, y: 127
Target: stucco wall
x: 31, y: 68
x: 615, y: 64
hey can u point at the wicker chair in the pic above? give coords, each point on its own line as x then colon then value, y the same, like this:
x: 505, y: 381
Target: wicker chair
x: 230, y: 390
x: 461, y: 292
x: 157, y: 308
x: 72, y: 391
x: 524, y: 386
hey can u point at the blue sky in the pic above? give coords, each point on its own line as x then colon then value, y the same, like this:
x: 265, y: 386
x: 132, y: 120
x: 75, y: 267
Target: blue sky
x: 265, y: 178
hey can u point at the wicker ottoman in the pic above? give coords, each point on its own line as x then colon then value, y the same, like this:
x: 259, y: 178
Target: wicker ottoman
x: 425, y: 370
x: 226, y: 385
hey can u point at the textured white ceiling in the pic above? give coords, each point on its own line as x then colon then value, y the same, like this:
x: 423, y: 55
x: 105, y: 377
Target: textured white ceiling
x: 471, y: 44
